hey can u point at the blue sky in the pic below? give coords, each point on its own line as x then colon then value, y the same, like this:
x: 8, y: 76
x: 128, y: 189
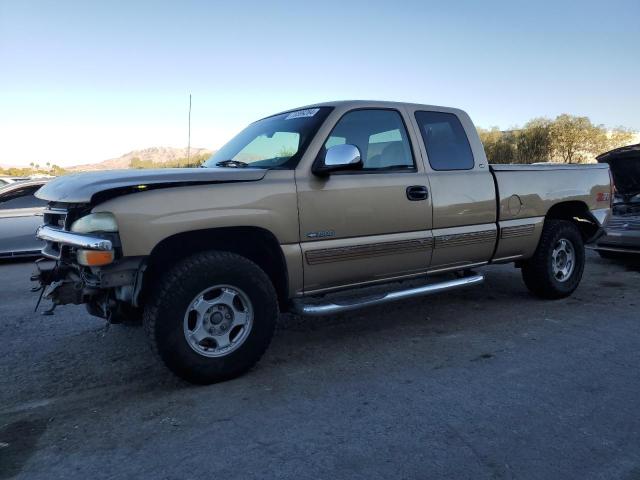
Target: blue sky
x: 86, y: 81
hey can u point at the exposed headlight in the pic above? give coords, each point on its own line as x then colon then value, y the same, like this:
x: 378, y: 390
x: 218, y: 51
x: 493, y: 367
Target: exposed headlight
x: 95, y: 222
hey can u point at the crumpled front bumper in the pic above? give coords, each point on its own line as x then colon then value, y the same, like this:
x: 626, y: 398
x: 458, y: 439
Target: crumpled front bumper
x: 56, y: 238
x: 65, y: 281
x: 103, y: 289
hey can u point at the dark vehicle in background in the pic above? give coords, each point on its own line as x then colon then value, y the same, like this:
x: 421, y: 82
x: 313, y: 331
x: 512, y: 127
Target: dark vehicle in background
x: 623, y: 227
x: 20, y: 216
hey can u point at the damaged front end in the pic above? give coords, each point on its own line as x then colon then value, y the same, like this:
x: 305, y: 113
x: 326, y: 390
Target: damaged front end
x: 82, y: 267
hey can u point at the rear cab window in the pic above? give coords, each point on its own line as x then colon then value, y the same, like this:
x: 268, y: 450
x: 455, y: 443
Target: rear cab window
x: 445, y: 141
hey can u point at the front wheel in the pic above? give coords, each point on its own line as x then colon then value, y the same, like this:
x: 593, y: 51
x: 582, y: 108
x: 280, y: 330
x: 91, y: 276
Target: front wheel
x: 555, y: 270
x: 212, y: 317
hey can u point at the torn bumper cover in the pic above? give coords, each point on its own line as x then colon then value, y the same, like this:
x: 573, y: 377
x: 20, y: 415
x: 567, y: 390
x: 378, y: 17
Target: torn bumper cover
x: 63, y: 280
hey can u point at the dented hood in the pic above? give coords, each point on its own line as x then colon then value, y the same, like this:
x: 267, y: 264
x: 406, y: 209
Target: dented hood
x: 625, y: 168
x: 82, y: 187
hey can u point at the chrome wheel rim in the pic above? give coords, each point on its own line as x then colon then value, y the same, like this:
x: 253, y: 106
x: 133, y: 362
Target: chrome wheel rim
x: 563, y: 260
x: 218, y: 320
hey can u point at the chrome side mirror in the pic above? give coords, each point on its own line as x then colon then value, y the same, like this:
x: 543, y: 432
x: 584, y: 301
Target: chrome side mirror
x: 340, y: 157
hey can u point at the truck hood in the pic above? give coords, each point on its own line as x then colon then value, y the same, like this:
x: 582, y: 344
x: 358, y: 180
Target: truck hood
x: 625, y: 168
x: 83, y: 187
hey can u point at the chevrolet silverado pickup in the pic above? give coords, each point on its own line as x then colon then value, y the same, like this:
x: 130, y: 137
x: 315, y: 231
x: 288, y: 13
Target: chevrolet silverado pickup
x: 296, y: 210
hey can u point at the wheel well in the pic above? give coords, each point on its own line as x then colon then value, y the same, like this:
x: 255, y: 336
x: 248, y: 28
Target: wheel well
x: 257, y: 244
x: 578, y: 213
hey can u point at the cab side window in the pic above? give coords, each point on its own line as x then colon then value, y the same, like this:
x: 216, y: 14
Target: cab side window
x: 379, y: 134
x: 445, y: 140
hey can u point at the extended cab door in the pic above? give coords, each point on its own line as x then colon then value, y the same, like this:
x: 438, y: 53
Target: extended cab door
x: 363, y: 225
x: 462, y: 188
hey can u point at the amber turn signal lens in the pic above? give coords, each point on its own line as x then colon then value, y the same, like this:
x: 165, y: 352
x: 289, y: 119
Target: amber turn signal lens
x: 95, y: 258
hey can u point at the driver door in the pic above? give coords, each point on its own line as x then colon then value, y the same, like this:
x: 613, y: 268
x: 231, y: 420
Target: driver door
x: 366, y: 224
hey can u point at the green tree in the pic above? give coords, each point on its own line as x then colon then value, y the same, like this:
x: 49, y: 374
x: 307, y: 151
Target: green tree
x: 533, y: 141
x: 498, y: 146
x: 576, y: 140
x: 568, y: 139
x: 619, y: 137
x: 57, y: 170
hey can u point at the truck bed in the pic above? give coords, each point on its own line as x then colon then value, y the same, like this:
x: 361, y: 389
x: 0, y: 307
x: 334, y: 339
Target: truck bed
x: 526, y: 194
x: 526, y: 191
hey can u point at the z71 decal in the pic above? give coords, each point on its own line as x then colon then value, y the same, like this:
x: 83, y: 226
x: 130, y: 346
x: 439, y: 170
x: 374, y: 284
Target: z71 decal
x: 321, y: 234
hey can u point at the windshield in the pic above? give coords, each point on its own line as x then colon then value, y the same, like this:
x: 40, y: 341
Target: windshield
x: 273, y: 142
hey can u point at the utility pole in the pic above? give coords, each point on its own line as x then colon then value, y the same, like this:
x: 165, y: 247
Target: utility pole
x: 189, y: 139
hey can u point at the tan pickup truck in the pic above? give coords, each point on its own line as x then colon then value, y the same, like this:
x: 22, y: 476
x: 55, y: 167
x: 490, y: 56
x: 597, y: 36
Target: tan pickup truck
x: 299, y: 206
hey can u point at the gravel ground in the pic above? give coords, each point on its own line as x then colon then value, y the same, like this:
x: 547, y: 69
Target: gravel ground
x: 482, y: 383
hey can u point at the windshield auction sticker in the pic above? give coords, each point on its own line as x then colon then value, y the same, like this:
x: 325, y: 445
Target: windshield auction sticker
x: 309, y: 112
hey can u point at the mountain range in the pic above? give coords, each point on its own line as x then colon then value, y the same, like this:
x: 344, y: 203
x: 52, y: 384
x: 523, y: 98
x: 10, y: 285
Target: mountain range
x: 155, y: 155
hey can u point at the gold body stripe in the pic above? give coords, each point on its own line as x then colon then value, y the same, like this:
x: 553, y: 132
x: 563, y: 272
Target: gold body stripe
x: 337, y: 254
x: 462, y: 239
x: 355, y: 252
x: 517, y: 231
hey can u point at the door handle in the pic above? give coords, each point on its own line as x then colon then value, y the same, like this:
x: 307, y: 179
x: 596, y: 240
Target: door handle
x: 417, y: 192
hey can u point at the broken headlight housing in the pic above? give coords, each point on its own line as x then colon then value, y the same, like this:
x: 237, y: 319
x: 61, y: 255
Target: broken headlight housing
x: 95, y: 222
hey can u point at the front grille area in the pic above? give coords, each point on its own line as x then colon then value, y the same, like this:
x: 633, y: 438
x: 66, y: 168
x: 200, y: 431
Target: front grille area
x: 623, y: 223
x: 60, y: 216
x: 55, y: 217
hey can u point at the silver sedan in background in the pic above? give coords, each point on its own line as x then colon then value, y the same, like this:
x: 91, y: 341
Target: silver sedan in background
x: 20, y: 216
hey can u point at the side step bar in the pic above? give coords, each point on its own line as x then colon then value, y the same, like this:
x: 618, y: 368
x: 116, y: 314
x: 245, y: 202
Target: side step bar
x: 330, y: 308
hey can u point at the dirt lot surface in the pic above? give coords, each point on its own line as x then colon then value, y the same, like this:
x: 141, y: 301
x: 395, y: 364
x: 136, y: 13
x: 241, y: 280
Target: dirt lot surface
x: 482, y: 383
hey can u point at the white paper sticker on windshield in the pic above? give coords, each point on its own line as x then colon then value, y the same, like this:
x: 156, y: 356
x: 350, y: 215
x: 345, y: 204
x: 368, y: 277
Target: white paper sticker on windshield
x: 309, y: 112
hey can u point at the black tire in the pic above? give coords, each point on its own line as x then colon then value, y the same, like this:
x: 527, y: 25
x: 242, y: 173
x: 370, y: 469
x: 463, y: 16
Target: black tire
x: 538, y: 273
x: 164, y: 315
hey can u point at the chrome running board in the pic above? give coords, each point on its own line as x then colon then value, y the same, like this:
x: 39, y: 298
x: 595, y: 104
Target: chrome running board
x: 318, y: 309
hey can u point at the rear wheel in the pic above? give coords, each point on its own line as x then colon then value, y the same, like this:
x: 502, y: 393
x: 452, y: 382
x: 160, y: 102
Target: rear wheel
x: 556, y: 268
x: 212, y: 317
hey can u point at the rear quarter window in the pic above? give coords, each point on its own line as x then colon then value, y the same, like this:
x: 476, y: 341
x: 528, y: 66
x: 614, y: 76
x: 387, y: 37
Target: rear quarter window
x: 445, y: 140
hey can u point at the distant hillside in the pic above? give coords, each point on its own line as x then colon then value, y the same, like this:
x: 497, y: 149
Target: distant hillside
x: 146, y: 157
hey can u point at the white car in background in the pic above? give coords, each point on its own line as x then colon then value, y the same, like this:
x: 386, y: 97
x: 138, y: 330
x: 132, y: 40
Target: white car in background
x: 20, y: 216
